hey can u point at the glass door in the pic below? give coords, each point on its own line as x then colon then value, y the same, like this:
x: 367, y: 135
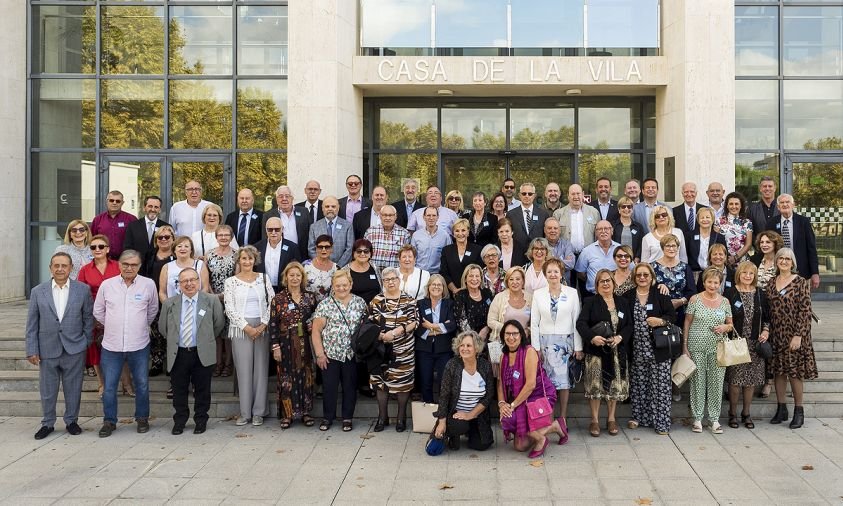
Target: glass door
x: 212, y: 172
x: 137, y: 177
x: 541, y: 170
x: 816, y: 183
x: 470, y: 174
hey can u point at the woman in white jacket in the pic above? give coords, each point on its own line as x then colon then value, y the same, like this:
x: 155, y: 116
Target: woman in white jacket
x: 247, y: 297
x: 553, y: 328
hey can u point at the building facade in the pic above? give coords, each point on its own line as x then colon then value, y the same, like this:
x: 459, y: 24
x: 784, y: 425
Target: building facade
x: 142, y: 96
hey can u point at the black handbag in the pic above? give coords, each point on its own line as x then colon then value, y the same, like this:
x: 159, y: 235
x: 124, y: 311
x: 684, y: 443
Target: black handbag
x: 668, y: 337
x: 603, y: 329
x: 764, y: 350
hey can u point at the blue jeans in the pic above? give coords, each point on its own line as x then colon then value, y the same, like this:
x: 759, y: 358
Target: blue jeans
x: 426, y: 364
x: 111, y: 363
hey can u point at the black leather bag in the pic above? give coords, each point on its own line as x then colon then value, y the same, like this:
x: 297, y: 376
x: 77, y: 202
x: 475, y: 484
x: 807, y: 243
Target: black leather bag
x: 603, y: 329
x: 764, y: 350
x: 668, y: 337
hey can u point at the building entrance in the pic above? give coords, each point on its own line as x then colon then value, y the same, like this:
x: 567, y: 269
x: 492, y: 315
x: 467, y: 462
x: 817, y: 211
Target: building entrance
x: 470, y: 174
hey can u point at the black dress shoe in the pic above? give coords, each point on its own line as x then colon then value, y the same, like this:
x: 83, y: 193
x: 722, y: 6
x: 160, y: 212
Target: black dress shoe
x: 107, y: 429
x: 200, y: 428
x: 380, y: 425
x: 178, y: 430
x: 143, y: 425
x: 74, y: 429
x: 43, y: 432
x: 366, y: 392
x: 401, y: 425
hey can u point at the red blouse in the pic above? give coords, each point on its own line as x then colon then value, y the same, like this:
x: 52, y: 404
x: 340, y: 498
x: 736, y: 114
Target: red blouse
x: 91, y: 276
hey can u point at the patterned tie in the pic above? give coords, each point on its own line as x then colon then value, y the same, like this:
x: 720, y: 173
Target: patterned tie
x: 691, y: 219
x: 331, y: 229
x: 529, y: 217
x: 786, y: 233
x: 187, y: 325
x: 241, y: 229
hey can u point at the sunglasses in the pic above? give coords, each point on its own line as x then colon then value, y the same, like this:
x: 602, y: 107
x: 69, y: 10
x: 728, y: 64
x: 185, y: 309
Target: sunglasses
x: 353, y: 183
x: 643, y: 275
x: 115, y: 201
x: 324, y: 246
x: 273, y: 230
x: 362, y: 251
x: 528, y: 194
x: 625, y: 206
x: 95, y: 247
x: 623, y: 257
x: 508, y: 187
x: 164, y: 237
x: 79, y: 230
x: 661, y: 216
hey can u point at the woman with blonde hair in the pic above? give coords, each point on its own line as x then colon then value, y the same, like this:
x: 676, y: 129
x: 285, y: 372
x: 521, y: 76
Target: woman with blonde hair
x: 459, y: 255
x: 77, y: 237
x: 514, y: 303
x: 437, y: 327
x: 205, y: 240
x: 661, y: 224
x: 453, y: 201
x: 538, y: 252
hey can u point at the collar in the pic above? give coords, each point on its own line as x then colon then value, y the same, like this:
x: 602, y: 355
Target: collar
x: 56, y: 285
x: 147, y: 220
x: 185, y: 298
x: 527, y: 208
x: 249, y: 212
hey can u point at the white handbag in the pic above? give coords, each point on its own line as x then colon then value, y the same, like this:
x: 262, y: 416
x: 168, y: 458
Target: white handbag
x: 423, y: 419
x: 683, y: 368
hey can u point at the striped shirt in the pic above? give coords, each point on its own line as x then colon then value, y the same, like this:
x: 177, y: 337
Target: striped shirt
x: 472, y: 389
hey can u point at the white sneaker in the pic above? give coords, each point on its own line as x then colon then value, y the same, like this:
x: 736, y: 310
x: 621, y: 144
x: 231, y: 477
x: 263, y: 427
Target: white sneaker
x: 716, y: 428
x: 241, y: 421
x: 697, y: 427
x: 257, y: 420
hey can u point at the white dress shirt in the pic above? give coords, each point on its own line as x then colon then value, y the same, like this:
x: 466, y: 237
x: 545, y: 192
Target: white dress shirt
x: 289, y: 222
x: 271, y: 261
x: 60, y: 296
x: 577, y: 234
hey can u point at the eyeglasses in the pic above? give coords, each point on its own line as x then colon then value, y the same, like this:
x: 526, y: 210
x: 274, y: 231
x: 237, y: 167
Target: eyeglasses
x: 273, y: 230
x: 223, y: 235
x: 95, y: 247
x: 661, y: 216
x: 625, y: 206
x: 79, y: 230
x: 605, y: 280
x: 512, y: 334
x: 623, y: 257
x: 129, y: 266
x: 193, y: 189
x: 189, y: 280
x: 352, y: 183
x: 454, y: 198
x: 283, y: 196
x: 528, y: 194
x: 643, y: 275
x: 164, y: 237
x: 115, y: 201
x: 508, y: 187
x: 603, y: 229
x: 324, y: 246
x: 539, y: 249
x: 362, y: 251
x: 389, y: 280
x: 671, y: 246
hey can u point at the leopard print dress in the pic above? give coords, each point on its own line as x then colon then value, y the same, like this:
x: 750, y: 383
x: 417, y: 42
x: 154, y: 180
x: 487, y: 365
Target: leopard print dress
x: 790, y: 314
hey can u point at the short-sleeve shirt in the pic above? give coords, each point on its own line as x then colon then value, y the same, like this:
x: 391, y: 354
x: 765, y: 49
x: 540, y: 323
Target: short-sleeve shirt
x: 341, y: 323
x: 700, y: 336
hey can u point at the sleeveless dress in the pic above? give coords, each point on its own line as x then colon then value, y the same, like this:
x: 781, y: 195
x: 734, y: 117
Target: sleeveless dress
x: 513, y: 378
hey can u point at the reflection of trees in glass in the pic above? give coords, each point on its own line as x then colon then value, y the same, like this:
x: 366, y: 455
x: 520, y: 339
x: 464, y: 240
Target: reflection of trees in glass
x: 198, y: 119
x: 616, y: 166
x: 133, y: 40
x: 149, y: 180
x: 469, y: 175
x: 208, y: 174
x: 747, y: 177
x: 542, y: 170
x: 819, y: 184
x: 263, y: 173
x: 528, y: 138
x: 260, y: 121
x: 132, y: 114
x: 399, y: 135
x: 393, y: 170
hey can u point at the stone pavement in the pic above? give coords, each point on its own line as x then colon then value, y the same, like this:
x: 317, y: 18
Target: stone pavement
x: 228, y: 464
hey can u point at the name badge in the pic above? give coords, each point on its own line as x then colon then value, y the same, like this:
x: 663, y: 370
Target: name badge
x: 138, y: 297
x: 338, y: 226
x: 649, y: 307
x: 485, y: 223
x: 728, y: 284
x: 482, y: 384
x: 201, y: 312
x: 468, y: 253
x: 254, y: 216
x: 428, y: 311
x: 527, y: 309
x: 563, y: 297
x: 783, y: 292
x: 298, y: 213
x: 589, y: 219
x: 121, y: 225
x: 536, y: 217
x: 372, y: 276
x: 620, y: 314
x: 697, y: 237
x: 516, y: 374
x: 720, y: 313
x: 285, y: 247
x: 778, y: 225
x: 291, y: 306
x: 488, y: 302
x: 738, y: 303
x: 634, y: 232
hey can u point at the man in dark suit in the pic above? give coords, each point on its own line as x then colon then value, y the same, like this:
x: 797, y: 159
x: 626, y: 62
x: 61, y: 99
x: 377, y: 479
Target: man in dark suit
x: 404, y: 208
x: 139, y: 232
x: 312, y: 204
x: 371, y: 216
x: 797, y: 235
x: 604, y: 203
x: 59, y: 328
x: 685, y: 214
x: 525, y: 213
x: 276, y: 252
x: 354, y: 201
x: 246, y: 221
x: 190, y: 321
x: 295, y: 222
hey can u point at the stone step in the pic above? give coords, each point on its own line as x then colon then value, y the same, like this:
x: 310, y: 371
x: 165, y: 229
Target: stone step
x: 18, y: 345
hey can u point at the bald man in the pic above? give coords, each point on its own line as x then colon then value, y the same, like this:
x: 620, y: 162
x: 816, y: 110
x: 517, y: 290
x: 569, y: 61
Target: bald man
x: 246, y: 220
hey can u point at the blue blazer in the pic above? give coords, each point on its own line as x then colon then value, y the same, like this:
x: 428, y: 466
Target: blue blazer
x: 804, y: 243
x: 440, y: 343
x: 46, y: 336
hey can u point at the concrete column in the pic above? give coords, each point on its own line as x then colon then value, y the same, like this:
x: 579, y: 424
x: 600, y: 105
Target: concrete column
x: 13, y: 149
x: 695, y: 112
x: 325, y: 136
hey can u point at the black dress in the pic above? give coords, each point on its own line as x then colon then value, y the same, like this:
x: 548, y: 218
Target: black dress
x: 365, y: 285
x: 472, y: 314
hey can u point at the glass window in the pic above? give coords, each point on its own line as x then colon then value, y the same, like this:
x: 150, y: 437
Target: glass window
x: 132, y: 114
x: 757, y: 114
x: 200, y: 114
x: 471, y: 23
x: 200, y: 40
x: 472, y: 174
x: 395, y: 23
x: 540, y: 171
x: 45, y: 240
x: 262, y: 114
x: 407, y: 128
x: 750, y: 168
x: 623, y: 23
x: 608, y: 128
x: 63, y: 186
x: 132, y: 40
x: 547, y: 23
x: 394, y: 170
x: 465, y: 128
x: 263, y: 173
x: 262, y: 44
x: 210, y: 174
x: 63, y: 113
x: 650, y: 125
x: 756, y: 41
x: 618, y: 167
x: 542, y: 128
x: 813, y: 114
x: 813, y: 41
x: 64, y: 39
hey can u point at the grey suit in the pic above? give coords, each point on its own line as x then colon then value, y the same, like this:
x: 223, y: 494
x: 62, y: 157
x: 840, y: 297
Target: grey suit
x: 641, y: 213
x: 61, y: 346
x: 343, y: 239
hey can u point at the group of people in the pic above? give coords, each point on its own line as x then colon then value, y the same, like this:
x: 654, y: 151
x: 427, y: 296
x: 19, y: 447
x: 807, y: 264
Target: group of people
x: 508, y: 300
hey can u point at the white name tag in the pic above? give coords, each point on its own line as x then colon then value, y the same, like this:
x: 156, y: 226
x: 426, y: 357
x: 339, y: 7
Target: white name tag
x: 778, y: 225
x: 634, y: 232
x: 697, y: 237
x: 285, y: 247
x: 201, y: 312
x: 728, y: 284
x: 121, y: 225
x: 649, y: 307
x: 138, y: 297
x: 254, y: 216
x: 516, y: 374
x: 468, y: 253
x: 291, y: 306
x: 338, y: 226
x: 298, y: 213
x: 738, y: 303
x: 485, y: 223
x: 372, y: 276
x: 620, y: 314
x: 428, y: 311
x: 563, y: 297
x: 720, y: 314
x: 536, y: 218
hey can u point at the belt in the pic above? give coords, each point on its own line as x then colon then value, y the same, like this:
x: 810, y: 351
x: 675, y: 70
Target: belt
x: 188, y: 348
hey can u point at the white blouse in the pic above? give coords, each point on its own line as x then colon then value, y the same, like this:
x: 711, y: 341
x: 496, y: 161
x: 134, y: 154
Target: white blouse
x: 236, y: 298
x: 568, y: 310
x: 651, y: 249
x: 416, y: 283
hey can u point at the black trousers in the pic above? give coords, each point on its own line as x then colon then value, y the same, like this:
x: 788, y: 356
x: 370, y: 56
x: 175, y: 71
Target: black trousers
x: 476, y: 441
x: 188, y: 369
x: 339, y: 373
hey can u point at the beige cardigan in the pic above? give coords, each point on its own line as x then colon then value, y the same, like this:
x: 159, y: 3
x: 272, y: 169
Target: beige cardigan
x: 495, y: 319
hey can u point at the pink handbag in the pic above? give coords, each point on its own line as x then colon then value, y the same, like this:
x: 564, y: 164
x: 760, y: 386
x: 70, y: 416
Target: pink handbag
x: 539, y: 411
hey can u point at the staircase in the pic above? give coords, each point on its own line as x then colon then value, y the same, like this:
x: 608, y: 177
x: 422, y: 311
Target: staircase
x: 19, y: 394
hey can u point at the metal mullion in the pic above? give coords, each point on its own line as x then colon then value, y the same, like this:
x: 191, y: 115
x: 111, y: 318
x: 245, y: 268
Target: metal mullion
x: 98, y: 163
x: 27, y: 281
x: 440, y: 156
x: 200, y: 77
x: 53, y: 75
x: 260, y: 150
x: 166, y: 77
x: 132, y: 77
x: 61, y: 150
x: 235, y: 77
x: 575, y: 167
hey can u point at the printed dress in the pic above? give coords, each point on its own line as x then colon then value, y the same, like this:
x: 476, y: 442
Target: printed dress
x: 751, y: 374
x: 319, y: 281
x: 289, y: 328
x: 389, y: 314
x: 735, y: 231
x: 650, y: 385
x: 790, y: 314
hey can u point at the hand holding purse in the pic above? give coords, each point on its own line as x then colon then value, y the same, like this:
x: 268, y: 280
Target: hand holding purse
x: 732, y: 350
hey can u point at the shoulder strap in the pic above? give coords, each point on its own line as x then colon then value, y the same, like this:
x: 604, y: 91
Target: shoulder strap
x: 342, y: 313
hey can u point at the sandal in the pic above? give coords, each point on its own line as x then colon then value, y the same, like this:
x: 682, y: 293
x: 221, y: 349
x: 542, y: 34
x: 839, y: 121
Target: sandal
x: 307, y: 421
x: 612, y: 427
x: 285, y: 423
x: 100, y: 391
x: 594, y: 429
x: 733, y: 420
x: 563, y: 426
x: 226, y: 371
x: 747, y: 422
x: 91, y: 372
x: 346, y: 426
x: 130, y: 393
x: 217, y: 372
x: 632, y: 424
x: 765, y: 391
x: 324, y: 425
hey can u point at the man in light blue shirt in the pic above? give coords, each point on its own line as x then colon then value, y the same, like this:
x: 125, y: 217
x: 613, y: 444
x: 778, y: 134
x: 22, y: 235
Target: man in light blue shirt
x: 642, y: 210
x: 559, y: 247
x: 597, y: 255
x: 430, y: 241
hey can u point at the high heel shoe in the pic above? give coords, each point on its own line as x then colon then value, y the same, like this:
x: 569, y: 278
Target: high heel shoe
x: 127, y: 392
x: 733, y: 420
x: 781, y: 414
x: 563, y: 438
x: 538, y: 453
x: 798, y: 417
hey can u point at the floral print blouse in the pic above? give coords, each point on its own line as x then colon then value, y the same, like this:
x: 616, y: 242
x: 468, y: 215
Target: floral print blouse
x: 735, y: 230
x: 319, y: 281
x: 341, y: 323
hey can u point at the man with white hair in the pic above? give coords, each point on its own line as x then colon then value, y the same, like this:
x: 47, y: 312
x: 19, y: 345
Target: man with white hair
x: 295, y: 222
x: 798, y: 235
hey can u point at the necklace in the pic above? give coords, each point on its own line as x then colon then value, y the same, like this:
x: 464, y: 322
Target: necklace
x: 709, y: 298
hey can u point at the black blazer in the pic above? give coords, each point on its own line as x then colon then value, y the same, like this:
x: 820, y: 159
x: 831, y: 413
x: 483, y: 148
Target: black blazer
x: 804, y: 243
x: 302, y: 227
x: 594, y: 310
x: 519, y: 254
x: 488, y: 229
x: 343, y: 201
x: 730, y: 278
x: 692, y: 246
x: 136, y: 238
x: 362, y: 222
x: 613, y: 213
x: 760, y: 316
x: 287, y: 256
x: 681, y: 219
x: 319, y: 213
x: 658, y: 305
x: 519, y: 232
x: 439, y: 343
x: 638, y: 234
x: 401, y: 211
x: 451, y: 268
x: 256, y: 228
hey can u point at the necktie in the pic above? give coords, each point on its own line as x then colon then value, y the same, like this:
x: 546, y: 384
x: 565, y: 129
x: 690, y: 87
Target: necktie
x: 312, y: 212
x: 786, y: 233
x: 691, y: 219
x: 187, y: 325
x: 528, y: 215
x: 241, y: 229
x: 150, y: 229
x: 331, y: 229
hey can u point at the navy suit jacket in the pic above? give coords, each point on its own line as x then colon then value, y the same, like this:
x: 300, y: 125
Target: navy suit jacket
x: 362, y: 222
x: 681, y: 219
x: 519, y: 231
x: 401, y: 211
x: 136, y: 237
x: 319, y: 213
x: 302, y: 227
x: 287, y: 256
x: 440, y: 343
x: 692, y: 245
x: 256, y: 229
x: 613, y: 213
x: 46, y: 336
x: 804, y: 243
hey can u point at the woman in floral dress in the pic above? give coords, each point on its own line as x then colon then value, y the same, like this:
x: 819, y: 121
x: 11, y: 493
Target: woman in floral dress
x: 221, y: 267
x: 737, y: 228
x: 674, y: 275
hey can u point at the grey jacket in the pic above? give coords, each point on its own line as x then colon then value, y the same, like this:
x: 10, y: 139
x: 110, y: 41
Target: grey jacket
x: 343, y: 239
x: 211, y: 321
x: 46, y: 336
